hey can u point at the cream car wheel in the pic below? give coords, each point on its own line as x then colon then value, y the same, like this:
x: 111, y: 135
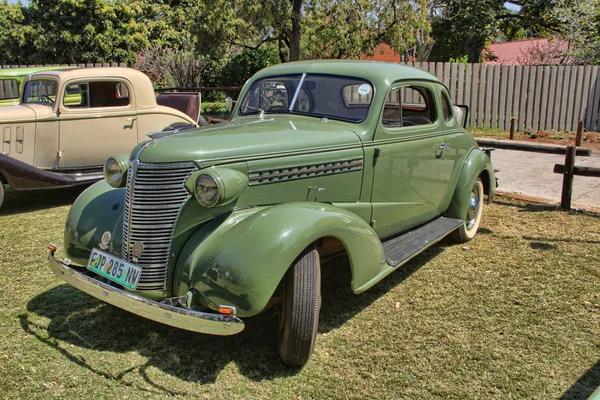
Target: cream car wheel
x: 469, y: 227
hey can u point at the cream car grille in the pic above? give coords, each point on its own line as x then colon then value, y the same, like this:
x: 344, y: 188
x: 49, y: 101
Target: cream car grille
x: 154, y: 196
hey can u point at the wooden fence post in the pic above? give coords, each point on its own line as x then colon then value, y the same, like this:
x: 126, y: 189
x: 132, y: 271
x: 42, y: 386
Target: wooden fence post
x: 567, y: 187
x: 513, y: 121
x: 579, y: 135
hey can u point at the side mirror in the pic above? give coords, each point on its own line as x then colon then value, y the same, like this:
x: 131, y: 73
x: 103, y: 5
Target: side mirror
x: 229, y: 103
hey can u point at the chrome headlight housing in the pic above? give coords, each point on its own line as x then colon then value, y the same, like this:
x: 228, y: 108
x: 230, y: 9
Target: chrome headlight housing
x: 217, y: 187
x: 115, y: 171
x: 206, y: 190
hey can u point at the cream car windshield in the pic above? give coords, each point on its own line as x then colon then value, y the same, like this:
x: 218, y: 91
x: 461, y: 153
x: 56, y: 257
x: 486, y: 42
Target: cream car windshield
x: 42, y: 91
x: 330, y: 96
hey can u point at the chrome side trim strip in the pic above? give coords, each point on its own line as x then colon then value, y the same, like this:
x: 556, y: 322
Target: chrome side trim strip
x: 272, y: 175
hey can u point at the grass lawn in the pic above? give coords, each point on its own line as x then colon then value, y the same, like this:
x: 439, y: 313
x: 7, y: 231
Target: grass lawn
x: 514, y: 315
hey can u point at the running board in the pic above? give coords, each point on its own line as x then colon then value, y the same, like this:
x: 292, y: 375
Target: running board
x: 404, y: 247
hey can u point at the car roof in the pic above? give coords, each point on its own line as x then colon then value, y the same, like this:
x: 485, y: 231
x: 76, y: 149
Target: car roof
x: 144, y: 91
x: 16, y: 72
x: 380, y: 73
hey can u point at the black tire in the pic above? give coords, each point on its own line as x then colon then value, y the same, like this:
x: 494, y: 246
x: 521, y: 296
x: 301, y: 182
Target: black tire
x: 301, y: 304
x: 202, y: 121
x: 178, y: 127
x: 469, y: 227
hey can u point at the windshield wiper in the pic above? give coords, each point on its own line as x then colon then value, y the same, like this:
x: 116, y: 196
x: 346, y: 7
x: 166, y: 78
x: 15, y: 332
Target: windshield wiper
x: 297, y: 92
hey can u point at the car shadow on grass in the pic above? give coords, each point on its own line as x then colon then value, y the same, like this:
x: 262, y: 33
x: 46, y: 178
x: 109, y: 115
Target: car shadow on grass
x: 79, y: 321
x: 585, y: 385
x: 23, y: 201
x: 535, y: 207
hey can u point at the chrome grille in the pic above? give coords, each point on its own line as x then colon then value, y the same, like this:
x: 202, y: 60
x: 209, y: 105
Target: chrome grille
x: 154, y: 196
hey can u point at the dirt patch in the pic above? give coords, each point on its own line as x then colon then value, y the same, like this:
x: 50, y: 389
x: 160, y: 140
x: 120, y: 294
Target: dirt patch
x: 590, y: 139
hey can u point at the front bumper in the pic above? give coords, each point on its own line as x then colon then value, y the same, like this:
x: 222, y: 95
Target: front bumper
x: 195, y: 321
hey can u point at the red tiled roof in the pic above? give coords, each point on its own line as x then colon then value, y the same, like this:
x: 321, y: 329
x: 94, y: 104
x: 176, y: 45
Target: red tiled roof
x: 383, y: 52
x: 517, y: 52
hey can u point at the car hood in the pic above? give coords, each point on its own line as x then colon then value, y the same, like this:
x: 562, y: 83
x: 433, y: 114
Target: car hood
x: 245, y: 138
x: 16, y: 113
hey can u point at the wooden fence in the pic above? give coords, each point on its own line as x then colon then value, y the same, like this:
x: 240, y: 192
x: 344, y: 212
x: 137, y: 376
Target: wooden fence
x: 539, y: 97
x: 82, y: 65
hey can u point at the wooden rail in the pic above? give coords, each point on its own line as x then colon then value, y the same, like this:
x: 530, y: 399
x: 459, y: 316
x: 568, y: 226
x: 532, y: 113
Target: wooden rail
x: 569, y: 170
x: 526, y: 146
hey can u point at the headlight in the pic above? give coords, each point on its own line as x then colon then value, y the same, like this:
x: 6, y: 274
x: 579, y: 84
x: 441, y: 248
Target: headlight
x: 207, y: 190
x: 115, y: 169
x: 216, y: 187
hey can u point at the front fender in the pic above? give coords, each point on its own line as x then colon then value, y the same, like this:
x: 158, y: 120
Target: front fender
x: 477, y: 164
x: 97, y: 210
x: 239, y: 259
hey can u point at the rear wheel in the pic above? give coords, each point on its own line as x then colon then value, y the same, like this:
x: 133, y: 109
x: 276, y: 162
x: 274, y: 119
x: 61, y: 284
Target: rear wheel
x: 469, y: 227
x: 301, y: 304
x: 202, y: 121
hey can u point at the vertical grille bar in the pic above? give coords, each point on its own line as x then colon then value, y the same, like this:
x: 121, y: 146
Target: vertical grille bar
x: 154, y: 196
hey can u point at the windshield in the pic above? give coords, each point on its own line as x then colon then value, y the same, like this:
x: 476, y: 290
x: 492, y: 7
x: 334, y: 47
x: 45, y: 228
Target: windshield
x: 9, y: 89
x: 40, y: 91
x: 330, y: 96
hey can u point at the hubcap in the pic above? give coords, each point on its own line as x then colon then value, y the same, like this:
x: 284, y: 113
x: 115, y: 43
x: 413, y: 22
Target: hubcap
x: 473, y: 208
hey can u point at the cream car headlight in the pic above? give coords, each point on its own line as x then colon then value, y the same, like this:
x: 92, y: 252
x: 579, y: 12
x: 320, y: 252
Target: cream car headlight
x: 115, y: 171
x: 207, y: 190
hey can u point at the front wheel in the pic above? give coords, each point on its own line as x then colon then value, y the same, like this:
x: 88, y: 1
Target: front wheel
x: 301, y: 304
x: 469, y: 227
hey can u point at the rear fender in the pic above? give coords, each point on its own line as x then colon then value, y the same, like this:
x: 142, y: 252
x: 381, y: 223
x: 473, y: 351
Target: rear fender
x: 239, y: 259
x: 477, y: 164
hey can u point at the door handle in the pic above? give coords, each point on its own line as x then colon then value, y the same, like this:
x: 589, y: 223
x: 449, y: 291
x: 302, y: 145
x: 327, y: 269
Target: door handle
x: 444, y: 145
x: 131, y: 119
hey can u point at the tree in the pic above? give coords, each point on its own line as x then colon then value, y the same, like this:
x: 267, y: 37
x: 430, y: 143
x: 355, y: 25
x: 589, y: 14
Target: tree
x: 223, y: 24
x: 319, y: 28
x: 464, y: 27
x: 14, y: 34
x: 580, y: 30
x: 72, y: 31
x: 346, y: 29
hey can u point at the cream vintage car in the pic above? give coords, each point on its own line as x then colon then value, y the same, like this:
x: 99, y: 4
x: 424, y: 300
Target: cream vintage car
x: 68, y: 122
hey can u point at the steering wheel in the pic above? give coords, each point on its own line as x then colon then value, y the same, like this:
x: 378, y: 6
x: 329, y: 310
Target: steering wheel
x: 278, y: 108
x: 46, y: 99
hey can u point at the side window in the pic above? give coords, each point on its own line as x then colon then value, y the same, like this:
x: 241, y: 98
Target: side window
x: 77, y: 96
x: 96, y: 94
x: 9, y: 89
x: 409, y: 106
x: 446, y: 106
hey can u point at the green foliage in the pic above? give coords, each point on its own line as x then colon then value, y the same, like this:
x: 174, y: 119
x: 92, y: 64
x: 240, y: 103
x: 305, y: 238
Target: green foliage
x: 581, y: 30
x: 466, y: 26
x: 461, y: 60
x: 347, y: 29
x: 338, y: 29
x: 14, y: 34
x: 242, y: 66
x: 70, y: 31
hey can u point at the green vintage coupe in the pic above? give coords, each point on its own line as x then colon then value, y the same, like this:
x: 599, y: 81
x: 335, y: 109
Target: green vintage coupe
x: 201, y: 228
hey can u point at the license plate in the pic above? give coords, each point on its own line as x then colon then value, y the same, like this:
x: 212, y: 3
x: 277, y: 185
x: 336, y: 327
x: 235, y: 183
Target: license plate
x: 114, y: 268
